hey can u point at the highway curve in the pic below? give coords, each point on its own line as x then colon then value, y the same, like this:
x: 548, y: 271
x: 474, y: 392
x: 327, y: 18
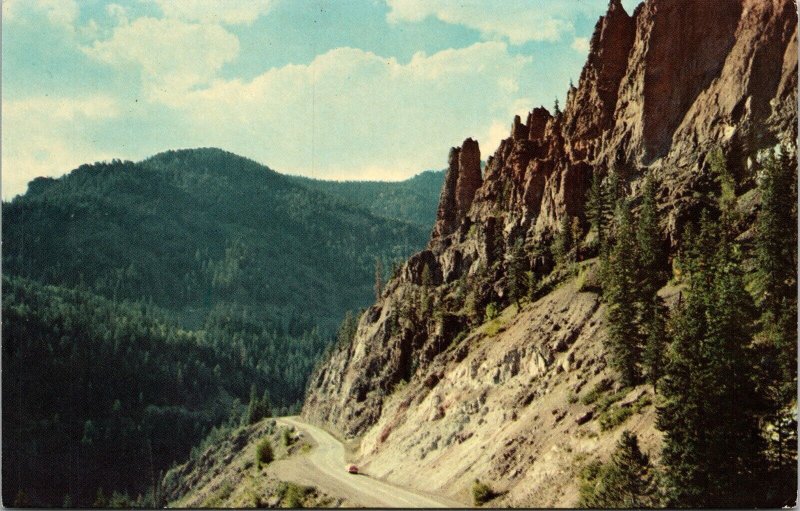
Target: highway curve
x: 324, y: 467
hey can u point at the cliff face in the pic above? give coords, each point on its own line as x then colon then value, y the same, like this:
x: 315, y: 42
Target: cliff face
x: 660, y: 89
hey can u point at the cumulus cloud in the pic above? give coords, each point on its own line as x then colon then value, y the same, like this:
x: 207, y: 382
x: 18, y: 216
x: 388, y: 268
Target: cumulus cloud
x: 351, y: 105
x: 230, y: 12
x: 44, y: 141
x: 518, y: 21
x: 173, y: 55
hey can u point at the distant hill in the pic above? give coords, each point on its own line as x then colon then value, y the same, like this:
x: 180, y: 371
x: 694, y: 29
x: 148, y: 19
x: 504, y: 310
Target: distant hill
x: 413, y: 200
x: 155, y: 294
x: 192, y: 228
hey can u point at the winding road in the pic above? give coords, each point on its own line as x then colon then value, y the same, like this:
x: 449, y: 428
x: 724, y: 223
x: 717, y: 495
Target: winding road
x: 324, y: 467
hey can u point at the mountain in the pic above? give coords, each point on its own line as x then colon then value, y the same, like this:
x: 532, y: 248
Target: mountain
x: 471, y: 380
x: 143, y: 301
x: 118, y: 393
x: 193, y: 228
x: 413, y: 200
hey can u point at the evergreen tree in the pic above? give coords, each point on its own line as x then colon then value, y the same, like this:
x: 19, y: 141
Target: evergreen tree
x: 517, y: 277
x: 620, y: 294
x: 650, y: 256
x: 576, y: 233
x: 776, y: 255
x: 562, y: 245
x: 776, y: 287
x: 655, y: 337
x: 597, y: 210
x: 712, y: 448
x: 626, y: 481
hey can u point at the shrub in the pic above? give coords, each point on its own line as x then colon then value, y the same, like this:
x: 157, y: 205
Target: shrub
x: 264, y: 453
x: 286, y: 437
x: 481, y: 493
x: 614, y: 417
x: 291, y: 495
x: 592, y: 396
x: 491, y: 311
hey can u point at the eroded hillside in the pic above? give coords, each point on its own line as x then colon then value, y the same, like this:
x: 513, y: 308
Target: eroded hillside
x: 433, y: 379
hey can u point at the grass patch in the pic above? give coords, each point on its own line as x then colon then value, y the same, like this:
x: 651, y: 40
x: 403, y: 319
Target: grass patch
x: 593, y: 395
x: 613, y: 416
x: 572, y: 398
x: 219, y: 496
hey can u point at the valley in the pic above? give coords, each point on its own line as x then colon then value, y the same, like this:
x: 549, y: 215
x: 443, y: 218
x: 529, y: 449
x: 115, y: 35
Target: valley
x: 593, y: 306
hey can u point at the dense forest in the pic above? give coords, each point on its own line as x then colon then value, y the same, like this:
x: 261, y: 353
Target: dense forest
x: 146, y: 303
x: 414, y: 200
x: 189, y: 229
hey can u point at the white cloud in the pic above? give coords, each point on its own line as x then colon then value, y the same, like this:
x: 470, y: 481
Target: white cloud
x: 45, y: 141
x: 61, y: 13
x: 230, y: 12
x: 518, y: 21
x: 173, y: 55
x: 349, y: 105
x: 581, y: 44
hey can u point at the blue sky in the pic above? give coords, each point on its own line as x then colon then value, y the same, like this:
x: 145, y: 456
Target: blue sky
x: 351, y: 89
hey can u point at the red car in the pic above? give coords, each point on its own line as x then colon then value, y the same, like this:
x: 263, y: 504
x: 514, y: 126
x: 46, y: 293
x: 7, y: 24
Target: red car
x: 352, y: 469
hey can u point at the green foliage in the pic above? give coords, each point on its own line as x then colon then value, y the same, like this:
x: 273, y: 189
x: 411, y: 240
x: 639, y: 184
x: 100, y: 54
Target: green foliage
x: 292, y: 495
x: 712, y: 452
x: 492, y: 311
x: 518, y: 277
x: 414, y: 200
x: 626, y: 481
x: 264, y: 452
x: 563, y: 244
x: 598, y: 210
x: 116, y: 389
x: 259, y: 407
x: 620, y: 291
x: 219, y: 229
x: 776, y: 263
x: 481, y: 493
x: 614, y: 416
x: 286, y: 437
x: 598, y: 390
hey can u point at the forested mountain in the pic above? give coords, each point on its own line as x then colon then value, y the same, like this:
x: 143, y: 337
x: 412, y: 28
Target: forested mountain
x: 413, y: 200
x: 143, y: 302
x: 104, y: 395
x: 193, y: 228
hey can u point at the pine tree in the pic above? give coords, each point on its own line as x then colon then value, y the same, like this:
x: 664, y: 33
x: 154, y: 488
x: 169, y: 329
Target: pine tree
x: 655, y: 337
x: 517, y: 278
x: 776, y: 286
x: 626, y: 481
x: 562, y: 245
x: 712, y: 449
x: 598, y: 210
x: 576, y: 232
x: 776, y: 255
x: 650, y: 256
x: 619, y: 287
x: 425, y: 297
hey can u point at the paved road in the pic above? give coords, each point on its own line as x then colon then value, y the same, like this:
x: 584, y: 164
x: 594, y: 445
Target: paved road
x: 324, y: 467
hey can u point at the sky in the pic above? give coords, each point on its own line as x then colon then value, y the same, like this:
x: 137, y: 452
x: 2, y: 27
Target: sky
x: 345, y: 89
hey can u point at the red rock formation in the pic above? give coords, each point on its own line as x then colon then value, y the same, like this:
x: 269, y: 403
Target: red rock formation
x: 659, y: 90
x: 462, y: 179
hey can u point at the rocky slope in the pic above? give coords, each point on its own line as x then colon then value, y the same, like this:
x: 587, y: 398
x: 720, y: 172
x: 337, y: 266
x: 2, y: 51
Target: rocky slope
x: 661, y: 88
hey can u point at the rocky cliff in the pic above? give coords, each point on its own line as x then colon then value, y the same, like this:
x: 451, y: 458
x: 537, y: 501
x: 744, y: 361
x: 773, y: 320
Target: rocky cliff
x: 661, y: 88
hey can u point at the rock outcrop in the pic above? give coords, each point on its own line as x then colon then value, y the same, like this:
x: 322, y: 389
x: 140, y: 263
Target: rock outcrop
x: 661, y: 88
x: 463, y: 178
